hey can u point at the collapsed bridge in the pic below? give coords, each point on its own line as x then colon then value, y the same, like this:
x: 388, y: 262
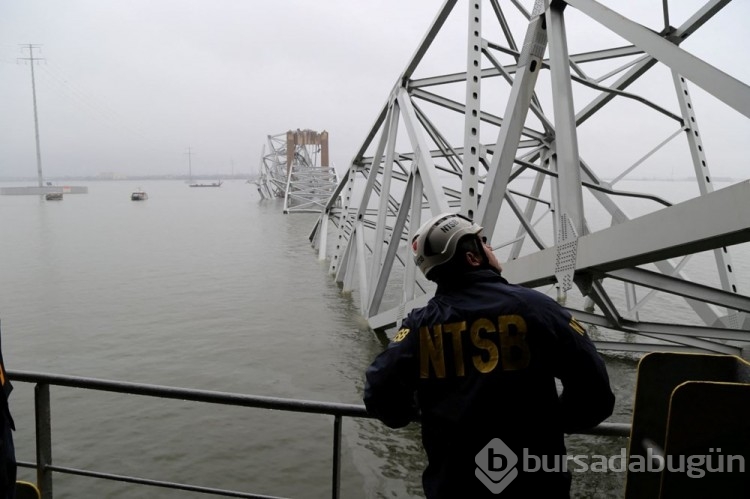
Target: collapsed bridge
x: 295, y: 166
x: 541, y: 137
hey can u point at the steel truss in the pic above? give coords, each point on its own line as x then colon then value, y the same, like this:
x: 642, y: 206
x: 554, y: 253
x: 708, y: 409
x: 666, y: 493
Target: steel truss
x: 292, y: 169
x: 660, y: 279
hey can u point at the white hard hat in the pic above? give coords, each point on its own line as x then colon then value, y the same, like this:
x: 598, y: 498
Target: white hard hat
x: 436, y: 240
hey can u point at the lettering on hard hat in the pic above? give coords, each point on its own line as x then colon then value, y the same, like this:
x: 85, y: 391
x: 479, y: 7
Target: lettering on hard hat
x: 449, y: 225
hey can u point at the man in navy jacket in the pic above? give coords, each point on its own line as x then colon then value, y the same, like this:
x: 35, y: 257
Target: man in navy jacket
x: 477, y: 366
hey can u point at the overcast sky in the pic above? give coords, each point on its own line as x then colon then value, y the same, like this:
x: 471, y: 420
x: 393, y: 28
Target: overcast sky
x: 129, y: 86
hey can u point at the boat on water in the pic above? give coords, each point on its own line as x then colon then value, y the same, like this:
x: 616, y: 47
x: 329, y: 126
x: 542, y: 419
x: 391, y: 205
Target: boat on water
x: 53, y: 196
x: 212, y: 184
x: 190, y: 175
x: 139, y: 196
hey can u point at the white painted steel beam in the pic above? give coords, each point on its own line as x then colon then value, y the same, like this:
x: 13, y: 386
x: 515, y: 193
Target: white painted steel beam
x: 393, y: 245
x: 514, y: 119
x: 702, y: 16
x: 470, y: 183
x: 681, y: 287
x: 657, y: 236
x: 424, y: 164
x: 598, y: 55
x: 722, y: 86
x: 389, y: 133
x: 570, y: 196
x: 361, y: 265
x: 677, y: 336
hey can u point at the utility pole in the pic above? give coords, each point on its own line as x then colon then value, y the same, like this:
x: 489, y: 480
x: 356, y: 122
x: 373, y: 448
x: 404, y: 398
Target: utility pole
x: 32, y: 59
x: 190, y: 165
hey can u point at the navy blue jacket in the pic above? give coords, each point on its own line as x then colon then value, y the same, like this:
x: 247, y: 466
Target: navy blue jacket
x: 478, y: 363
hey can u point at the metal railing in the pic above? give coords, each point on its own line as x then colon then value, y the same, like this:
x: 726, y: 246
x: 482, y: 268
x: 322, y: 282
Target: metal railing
x: 338, y: 411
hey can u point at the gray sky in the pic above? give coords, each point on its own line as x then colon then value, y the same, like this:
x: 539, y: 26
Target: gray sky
x: 128, y: 86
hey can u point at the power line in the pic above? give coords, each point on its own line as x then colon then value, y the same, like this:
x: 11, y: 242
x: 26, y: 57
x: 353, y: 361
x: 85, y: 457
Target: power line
x: 86, y: 101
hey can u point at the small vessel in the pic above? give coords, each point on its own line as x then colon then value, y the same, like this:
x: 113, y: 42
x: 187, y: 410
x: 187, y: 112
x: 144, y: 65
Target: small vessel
x: 53, y: 196
x: 139, y: 196
x: 190, y: 174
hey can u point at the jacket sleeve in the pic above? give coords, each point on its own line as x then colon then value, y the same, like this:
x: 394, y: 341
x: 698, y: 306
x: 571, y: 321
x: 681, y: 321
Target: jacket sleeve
x: 586, y: 398
x: 390, y: 383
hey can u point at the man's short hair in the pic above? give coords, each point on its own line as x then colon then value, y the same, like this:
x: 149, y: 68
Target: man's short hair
x: 458, y: 265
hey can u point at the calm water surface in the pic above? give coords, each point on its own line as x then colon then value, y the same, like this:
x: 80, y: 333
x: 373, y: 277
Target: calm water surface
x: 207, y: 289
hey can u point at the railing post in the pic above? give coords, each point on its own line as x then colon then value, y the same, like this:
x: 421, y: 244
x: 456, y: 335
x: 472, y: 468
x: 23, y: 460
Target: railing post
x: 43, y: 439
x: 336, y: 493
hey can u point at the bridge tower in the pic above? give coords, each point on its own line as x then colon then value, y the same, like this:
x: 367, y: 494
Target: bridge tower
x: 296, y: 167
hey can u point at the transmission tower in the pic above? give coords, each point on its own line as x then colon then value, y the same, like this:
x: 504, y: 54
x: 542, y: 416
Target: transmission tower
x: 30, y: 47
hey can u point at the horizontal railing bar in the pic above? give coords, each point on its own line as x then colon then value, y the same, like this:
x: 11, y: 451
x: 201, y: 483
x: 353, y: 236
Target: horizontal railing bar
x: 224, y: 398
x: 158, y: 483
x: 306, y: 406
x: 608, y: 430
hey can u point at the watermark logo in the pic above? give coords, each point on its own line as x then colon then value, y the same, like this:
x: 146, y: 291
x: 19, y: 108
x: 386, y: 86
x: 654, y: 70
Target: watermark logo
x: 496, y: 465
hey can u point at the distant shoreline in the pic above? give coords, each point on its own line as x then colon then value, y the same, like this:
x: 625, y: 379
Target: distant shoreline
x: 129, y: 178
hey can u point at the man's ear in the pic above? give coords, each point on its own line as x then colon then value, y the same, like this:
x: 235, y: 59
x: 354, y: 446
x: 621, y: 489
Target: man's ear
x: 473, y: 259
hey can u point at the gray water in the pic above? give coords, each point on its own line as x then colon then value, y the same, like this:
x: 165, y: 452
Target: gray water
x: 206, y: 289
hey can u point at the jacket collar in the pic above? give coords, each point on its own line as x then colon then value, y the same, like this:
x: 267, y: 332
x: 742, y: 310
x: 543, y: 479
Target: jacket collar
x: 469, y: 279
